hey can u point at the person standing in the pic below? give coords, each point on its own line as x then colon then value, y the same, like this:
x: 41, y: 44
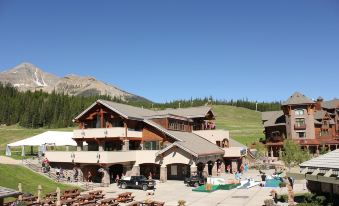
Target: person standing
x: 89, y: 176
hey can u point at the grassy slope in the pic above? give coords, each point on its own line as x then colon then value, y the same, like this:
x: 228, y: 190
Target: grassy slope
x: 12, y: 175
x: 244, y: 124
x: 13, y: 133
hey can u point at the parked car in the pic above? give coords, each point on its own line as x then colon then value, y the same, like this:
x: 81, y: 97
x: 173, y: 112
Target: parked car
x: 140, y: 182
x: 195, y: 180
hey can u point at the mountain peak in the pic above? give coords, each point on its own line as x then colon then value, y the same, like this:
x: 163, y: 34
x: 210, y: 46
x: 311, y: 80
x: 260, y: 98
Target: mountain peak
x: 26, y: 76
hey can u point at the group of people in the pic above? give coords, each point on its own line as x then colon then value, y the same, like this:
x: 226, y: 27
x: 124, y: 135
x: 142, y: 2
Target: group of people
x: 45, y: 165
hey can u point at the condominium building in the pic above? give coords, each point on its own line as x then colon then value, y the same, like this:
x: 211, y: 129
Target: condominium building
x: 311, y: 124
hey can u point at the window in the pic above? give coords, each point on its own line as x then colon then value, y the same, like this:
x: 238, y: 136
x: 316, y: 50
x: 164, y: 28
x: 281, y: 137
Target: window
x: 299, y: 122
x: 174, y: 170
x: 176, y: 125
x: 299, y: 112
x: 324, y: 132
x: 301, y: 134
x: 151, y: 145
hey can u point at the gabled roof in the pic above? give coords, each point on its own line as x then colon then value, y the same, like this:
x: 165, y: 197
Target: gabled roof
x: 196, y: 144
x: 192, y: 143
x: 131, y: 112
x: 332, y: 104
x: 273, y: 118
x: 329, y: 160
x: 271, y: 114
x: 319, y: 114
x: 296, y: 99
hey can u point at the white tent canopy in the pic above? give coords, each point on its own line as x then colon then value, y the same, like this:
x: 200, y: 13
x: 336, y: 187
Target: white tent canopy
x: 54, y: 138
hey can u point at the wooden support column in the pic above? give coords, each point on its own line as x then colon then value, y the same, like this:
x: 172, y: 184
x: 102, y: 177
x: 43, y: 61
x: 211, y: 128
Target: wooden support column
x: 101, y: 144
x: 102, y: 118
x: 194, y: 168
x: 126, y: 129
x: 163, y: 173
x: 79, y: 145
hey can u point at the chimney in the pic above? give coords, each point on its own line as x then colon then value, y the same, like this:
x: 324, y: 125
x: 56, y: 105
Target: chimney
x: 318, y: 103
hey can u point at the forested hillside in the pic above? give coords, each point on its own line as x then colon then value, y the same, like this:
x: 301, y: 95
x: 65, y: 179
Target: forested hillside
x: 55, y: 110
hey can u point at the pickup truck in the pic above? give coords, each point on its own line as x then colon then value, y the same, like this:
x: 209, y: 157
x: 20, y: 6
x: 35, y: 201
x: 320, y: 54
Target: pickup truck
x: 195, y: 180
x: 140, y: 182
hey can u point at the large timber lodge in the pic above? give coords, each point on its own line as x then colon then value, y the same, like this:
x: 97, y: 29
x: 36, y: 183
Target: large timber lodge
x: 168, y: 144
x: 314, y: 125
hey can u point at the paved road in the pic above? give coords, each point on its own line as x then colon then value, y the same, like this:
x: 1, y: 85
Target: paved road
x: 10, y: 161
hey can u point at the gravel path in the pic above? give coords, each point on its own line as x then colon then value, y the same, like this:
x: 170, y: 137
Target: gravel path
x: 9, y: 161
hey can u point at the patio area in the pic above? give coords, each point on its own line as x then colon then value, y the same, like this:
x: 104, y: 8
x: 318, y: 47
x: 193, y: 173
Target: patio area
x: 172, y: 191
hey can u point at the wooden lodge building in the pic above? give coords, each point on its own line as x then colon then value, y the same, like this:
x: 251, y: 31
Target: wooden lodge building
x: 313, y: 125
x: 167, y: 144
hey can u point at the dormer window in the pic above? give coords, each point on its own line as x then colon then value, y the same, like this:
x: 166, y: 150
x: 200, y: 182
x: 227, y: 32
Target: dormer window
x: 299, y: 112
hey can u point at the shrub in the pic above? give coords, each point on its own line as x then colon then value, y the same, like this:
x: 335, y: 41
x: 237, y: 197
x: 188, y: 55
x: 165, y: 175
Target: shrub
x: 283, y: 198
x: 269, y: 202
x: 282, y: 184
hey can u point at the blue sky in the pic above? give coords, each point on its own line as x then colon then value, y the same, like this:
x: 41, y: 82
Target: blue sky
x: 165, y: 50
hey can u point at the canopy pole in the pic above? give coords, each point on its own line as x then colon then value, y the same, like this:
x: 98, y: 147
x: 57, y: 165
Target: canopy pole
x: 22, y: 151
x: 8, y: 151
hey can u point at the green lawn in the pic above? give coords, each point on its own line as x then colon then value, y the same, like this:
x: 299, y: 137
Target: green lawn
x: 244, y: 124
x: 12, y: 175
x: 14, y: 133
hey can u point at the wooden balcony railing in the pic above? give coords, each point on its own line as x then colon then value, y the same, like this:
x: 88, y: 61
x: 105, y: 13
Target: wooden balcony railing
x: 276, y: 139
x: 300, y: 126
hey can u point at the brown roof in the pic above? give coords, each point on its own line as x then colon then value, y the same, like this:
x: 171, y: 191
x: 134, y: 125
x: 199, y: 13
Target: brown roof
x: 297, y: 98
x: 332, y: 104
x: 132, y: 112
x: 319, y: 114
x: 189, y: 141
x: 273, y: 118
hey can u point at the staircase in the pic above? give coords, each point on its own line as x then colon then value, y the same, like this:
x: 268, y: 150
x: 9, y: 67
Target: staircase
x: 35, y: 165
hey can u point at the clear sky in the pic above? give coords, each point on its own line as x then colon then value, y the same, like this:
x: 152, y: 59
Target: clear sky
x: 165, y: 50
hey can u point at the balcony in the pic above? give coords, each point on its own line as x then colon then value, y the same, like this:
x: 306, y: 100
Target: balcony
x: 300, y: 126
x: 105, y: 132
x: 104, y: 157
x: 276, y: 139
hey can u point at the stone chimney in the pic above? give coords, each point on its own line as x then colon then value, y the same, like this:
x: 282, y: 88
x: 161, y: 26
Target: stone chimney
x: 318, y: 103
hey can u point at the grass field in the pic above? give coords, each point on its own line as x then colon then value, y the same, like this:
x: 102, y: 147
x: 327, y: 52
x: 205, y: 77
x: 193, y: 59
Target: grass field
x: 14, y: 133
x: 12, y: 175
x: 244, y: 124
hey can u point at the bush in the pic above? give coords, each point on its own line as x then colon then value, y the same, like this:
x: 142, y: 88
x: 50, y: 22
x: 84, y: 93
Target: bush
x: 21, y: 204
x: 282, y: 184
x: 320, y: 199
x: 283, y: 198
x: 269, y: 202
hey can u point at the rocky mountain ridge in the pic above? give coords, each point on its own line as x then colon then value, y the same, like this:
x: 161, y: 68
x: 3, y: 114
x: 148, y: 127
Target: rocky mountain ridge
x: 27, y: 76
